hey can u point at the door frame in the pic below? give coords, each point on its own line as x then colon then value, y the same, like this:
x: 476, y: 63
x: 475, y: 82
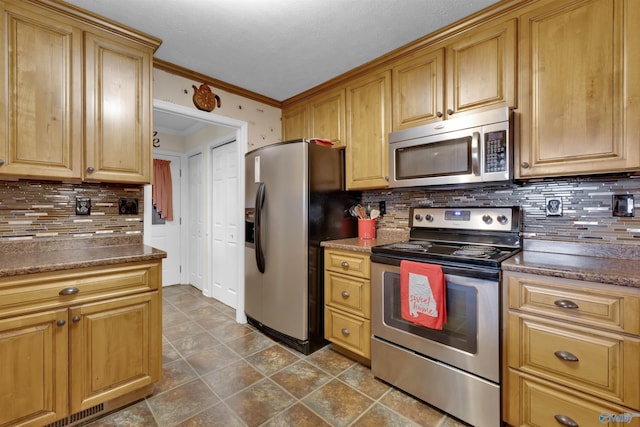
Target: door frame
x: 241, y: 136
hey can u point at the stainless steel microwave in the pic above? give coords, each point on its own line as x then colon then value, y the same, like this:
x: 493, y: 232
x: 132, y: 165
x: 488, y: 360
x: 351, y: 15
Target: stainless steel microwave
x: 475, y: 148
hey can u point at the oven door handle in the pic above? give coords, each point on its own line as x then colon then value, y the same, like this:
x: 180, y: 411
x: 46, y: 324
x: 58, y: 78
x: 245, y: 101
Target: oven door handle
x: 475, y: 153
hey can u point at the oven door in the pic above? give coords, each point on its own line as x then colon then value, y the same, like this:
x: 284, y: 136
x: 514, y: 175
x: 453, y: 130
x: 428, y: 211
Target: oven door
x: 470, y: 338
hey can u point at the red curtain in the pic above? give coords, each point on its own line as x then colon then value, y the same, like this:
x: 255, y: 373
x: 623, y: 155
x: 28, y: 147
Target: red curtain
x: 162, y: 194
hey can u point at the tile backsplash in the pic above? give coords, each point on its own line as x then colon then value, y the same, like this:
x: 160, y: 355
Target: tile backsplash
x: 587, y: 206
x: 44, y: 209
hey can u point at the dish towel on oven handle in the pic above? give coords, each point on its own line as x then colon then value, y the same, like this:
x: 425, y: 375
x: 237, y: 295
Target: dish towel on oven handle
x: 423, y: 294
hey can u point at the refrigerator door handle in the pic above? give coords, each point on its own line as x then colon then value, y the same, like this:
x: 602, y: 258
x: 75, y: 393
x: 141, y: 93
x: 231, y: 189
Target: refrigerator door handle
x: 257, y: 230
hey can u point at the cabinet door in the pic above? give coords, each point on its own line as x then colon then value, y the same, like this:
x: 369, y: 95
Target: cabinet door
x: 327, y: 114
x: 40, y: 94
x: 418, y: 89
x: 580, y: 89
x: 481, y: 69
x: 295, y: 123
x: 33, y: 356
x: 368, y: 126
x: 115, y: 348
x: 118, y: 110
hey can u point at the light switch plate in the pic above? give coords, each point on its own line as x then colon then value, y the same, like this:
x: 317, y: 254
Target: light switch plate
x: 553, y: 206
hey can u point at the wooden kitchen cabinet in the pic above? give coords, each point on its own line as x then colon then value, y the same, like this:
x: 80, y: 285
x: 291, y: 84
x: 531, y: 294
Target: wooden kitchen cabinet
x: 322, y: 116
x: 75, y: 99
x: 295, y: 122
x: 579, y: 88
x: 347, y: 313
x: 571, y: 350
x: 33, y: 356
x: 474, y: 71
x: 79, y: 342
x: 368, y: 125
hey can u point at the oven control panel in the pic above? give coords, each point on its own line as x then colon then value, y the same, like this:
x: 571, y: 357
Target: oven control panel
x: 466, y: 218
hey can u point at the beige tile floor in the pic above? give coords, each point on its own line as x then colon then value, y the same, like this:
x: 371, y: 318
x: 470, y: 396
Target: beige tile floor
x: 220, y: 373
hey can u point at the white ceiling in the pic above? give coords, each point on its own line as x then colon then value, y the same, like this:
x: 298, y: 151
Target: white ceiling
x: 280, y: 48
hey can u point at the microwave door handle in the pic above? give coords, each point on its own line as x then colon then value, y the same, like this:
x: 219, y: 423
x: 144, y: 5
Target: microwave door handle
x: 475, y: 153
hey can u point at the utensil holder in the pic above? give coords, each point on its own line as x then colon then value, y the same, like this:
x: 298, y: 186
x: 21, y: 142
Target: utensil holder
x: 367, y: 228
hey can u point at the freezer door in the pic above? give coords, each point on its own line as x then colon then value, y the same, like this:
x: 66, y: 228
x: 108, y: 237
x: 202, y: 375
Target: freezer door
x: 283, y: 169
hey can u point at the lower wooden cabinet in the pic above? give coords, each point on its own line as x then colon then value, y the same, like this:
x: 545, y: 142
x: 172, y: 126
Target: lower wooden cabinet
x: 70, y: 352
x: 572, y: 352
x: 347, y: 297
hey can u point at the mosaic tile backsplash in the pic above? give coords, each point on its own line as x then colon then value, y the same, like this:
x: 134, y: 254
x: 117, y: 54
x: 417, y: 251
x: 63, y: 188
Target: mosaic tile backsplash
x: 43, y: 209
x: 587, y: 207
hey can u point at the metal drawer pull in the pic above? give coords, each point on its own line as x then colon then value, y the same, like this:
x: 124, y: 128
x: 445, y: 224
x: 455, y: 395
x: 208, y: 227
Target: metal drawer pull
x: 566, y: 421
x: 566, y: 303
x: 345, y: 294
x: 345, y: 264
x: 75, y: 319
x: 69, y: 291
x: 566, y: 356
x: 345, y: 331
x: 60, y: 322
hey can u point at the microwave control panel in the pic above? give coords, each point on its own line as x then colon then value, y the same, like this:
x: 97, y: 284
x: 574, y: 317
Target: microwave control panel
x: 495, y: 151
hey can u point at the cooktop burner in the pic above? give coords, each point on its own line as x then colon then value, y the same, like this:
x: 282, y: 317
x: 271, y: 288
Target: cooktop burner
x: 480, y: 236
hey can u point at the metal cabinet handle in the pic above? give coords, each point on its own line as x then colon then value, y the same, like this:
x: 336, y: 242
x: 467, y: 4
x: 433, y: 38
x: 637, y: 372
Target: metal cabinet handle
x: 1, y: 162
x: 566, y: 303
x: 69, y: 291
x: 439, y: 114
x: 91, y: 169
x: 345, y: 294
x: 525, y: 165
x: 566, y: 421
x: 345, y: 331
x: 449, y: 111
x: 566, y: 356
x: 345, y: 264
x: 60, y: 322
x: 75, y: 319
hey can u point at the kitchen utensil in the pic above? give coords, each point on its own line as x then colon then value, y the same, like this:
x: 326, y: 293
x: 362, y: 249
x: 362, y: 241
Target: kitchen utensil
x: 375, y: 213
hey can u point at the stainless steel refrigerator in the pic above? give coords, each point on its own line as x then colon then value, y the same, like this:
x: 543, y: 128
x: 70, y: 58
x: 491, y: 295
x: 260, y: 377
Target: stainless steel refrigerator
x: 294, y: 199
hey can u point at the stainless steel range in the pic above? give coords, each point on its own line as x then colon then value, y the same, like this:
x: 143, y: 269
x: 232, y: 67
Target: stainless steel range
x: 457, y: 368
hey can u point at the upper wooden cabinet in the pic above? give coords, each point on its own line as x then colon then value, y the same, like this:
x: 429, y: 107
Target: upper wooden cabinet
x: 473, y: 71
x: 327, y: 117
x: 75, y: 100
x: 295, y: 122
x: 368, y: 126
x: 580, y: 92
x: 118, y: 107
x: 322, y: 116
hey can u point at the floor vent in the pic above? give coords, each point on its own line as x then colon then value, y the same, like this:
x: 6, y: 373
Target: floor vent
x: 78, y: 417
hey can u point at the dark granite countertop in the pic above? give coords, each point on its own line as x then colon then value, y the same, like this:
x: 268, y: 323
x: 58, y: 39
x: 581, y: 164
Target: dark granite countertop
x: 17, y: 258
x: 612, y: 264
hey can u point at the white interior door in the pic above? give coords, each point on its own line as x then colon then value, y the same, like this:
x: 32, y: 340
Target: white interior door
x: 165, y: 235
x: 225, y: 230
x: 196, y: 221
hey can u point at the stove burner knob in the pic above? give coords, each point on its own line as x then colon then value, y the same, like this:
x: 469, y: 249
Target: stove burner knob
x: 487, y: 219
x: 428, y: 217
x: 418, y: 217
x: 502, y: 219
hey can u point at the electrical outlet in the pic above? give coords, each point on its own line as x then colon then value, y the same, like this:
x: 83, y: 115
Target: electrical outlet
x: 553, y: 206
x: 83, y: 206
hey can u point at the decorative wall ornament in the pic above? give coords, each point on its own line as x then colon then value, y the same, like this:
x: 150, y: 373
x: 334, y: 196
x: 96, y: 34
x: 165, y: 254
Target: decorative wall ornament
x: 156, y: 140
x: 204, y: 99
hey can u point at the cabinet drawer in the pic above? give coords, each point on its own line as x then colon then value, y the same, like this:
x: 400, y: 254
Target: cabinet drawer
x: 348, y: 293
x: 352, y: 263
x: 607, y: 364
x: 539, y: 403
x: 43, y: 290
x: 347, y: 331
x: 606, y: 306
